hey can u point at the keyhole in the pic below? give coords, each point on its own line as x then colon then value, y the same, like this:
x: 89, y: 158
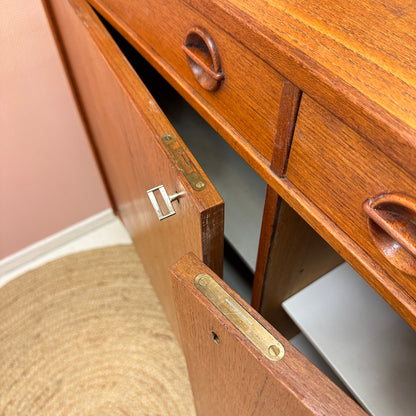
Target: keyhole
x: 215, y: 337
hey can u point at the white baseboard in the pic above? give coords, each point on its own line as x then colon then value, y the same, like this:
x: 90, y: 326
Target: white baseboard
x: 55, y: 240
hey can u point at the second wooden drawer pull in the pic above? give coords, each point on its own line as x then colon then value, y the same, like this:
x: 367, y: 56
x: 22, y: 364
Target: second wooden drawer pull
x: 392, y: 223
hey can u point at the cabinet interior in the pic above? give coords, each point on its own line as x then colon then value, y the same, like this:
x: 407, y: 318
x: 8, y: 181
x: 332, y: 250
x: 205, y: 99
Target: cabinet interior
x: 242, y: 189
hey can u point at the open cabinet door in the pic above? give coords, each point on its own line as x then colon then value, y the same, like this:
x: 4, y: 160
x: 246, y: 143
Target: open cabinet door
x: 139, y: 151
x: 238, y: 364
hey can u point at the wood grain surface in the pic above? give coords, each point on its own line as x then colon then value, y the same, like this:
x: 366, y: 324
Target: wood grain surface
x: 241, y: 99
x: 356, y: 58
x: 233, y: 377
x: 338, y: 170
x: 126, y: 126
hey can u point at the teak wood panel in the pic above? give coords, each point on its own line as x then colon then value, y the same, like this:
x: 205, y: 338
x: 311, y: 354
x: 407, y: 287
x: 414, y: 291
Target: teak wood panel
x: 338, y: 170
x: 248, y: 98
x: 126, y: 126
x: 233, y: 377
x: 346, y: 55
x: 369, y: 44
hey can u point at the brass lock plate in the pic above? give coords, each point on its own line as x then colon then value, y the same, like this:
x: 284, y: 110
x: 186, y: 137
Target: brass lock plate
x: 262, y: 339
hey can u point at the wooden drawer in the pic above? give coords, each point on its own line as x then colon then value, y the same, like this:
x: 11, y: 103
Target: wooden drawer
x: 248, y: 98
x: 339, y: 170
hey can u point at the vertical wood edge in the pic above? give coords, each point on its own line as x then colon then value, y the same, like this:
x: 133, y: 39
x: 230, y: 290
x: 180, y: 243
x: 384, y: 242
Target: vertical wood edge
x: 286, y: 121
x: 268, y: 227
x: 212, y: 231
x: 288, y: 110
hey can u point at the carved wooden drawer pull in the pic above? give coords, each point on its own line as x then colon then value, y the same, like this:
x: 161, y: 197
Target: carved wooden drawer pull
x: 203, y: 58
x: 392, y: 224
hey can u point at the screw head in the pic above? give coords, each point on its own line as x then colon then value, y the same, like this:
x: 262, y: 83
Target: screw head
x: 203, y: 281
x: 167, y: 137
x: 274, y: 350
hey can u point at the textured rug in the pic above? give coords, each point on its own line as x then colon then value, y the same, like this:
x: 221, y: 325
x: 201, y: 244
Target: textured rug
x: 86, y: 335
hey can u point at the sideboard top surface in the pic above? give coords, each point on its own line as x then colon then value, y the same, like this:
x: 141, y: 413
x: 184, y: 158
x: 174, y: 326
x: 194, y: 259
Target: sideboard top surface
x: 371, y: 44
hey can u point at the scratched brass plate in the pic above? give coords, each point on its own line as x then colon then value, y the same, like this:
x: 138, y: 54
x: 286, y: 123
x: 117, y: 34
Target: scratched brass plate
x: 268, y: 345
x: 183, y: 162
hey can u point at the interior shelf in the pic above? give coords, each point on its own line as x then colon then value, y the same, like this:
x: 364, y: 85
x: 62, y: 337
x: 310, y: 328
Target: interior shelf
x: 308, y: 350
x: 367, y: 344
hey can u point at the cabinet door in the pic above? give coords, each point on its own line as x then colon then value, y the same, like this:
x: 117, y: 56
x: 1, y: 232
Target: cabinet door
x: 238, y: 363
x: 138, y: 150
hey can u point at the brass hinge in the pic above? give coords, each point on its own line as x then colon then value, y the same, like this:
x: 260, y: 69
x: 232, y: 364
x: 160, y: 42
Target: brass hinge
x: 183, y: 162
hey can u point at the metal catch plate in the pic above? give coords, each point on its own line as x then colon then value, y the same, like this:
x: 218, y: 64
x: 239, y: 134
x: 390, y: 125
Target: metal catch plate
x: 262, y: 339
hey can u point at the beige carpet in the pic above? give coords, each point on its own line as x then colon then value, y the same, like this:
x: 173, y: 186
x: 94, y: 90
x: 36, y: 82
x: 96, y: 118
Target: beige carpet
x: 86, y: 335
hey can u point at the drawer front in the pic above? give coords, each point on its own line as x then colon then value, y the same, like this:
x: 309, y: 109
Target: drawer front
x: 249, y: 95
x: 339, y: 171
x: 238, y: 364
x: 128, y: 131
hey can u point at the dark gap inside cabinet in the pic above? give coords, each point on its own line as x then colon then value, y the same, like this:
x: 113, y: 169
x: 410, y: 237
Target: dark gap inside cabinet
x: 241, y: 188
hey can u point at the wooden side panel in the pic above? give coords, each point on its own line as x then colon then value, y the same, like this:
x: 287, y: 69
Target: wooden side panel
x: 297, y: 257
x: 233, y: 377
x: 126, y: 126
x: 291, y: 256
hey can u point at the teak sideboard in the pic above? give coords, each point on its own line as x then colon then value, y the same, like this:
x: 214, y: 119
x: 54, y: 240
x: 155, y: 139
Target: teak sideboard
x: 319, y: 98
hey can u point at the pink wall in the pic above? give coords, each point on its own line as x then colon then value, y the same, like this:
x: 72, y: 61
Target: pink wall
x: 48, y: 176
